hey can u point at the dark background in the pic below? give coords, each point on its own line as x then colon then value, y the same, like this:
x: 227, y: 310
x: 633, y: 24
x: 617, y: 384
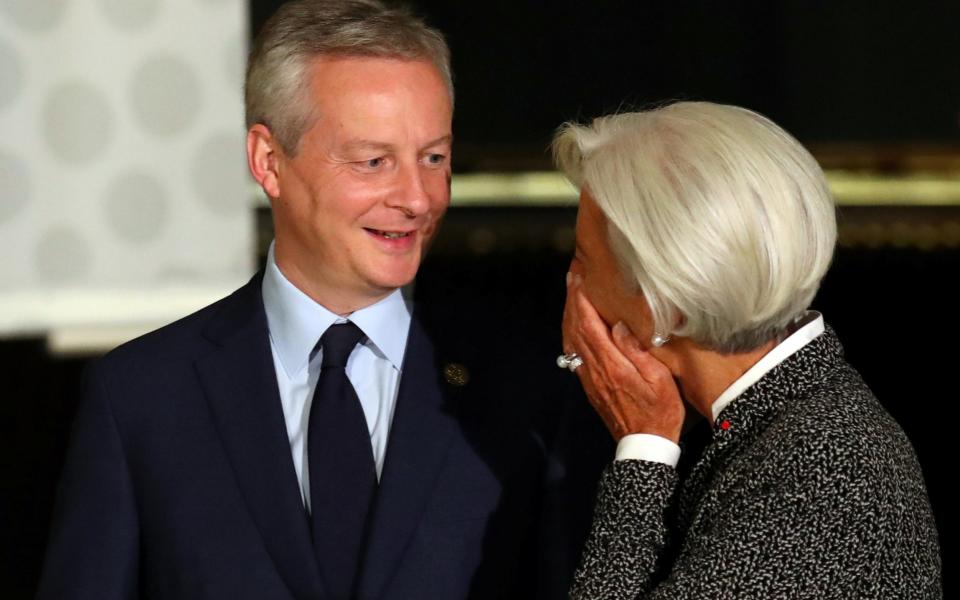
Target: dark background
x: 873, y: 79
x: 827, y: 71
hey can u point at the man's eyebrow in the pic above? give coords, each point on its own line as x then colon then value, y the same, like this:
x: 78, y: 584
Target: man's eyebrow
x: 362, y: 144
x: 367, y: 145
x: 446, y: 139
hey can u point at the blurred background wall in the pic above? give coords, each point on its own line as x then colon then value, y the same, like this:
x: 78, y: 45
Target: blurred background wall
x: 124, y: 200
x: 122, y: 182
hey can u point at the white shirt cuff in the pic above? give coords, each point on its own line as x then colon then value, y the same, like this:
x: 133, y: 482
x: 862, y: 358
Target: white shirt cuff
x: 644, y: 446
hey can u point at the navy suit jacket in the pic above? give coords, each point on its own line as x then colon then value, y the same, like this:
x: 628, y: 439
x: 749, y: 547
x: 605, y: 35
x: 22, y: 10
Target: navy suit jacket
x: 179, y: 481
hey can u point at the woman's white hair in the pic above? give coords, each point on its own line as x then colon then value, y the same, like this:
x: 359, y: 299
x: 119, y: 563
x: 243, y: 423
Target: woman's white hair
x: 718, y: 216
x: 275, y: 91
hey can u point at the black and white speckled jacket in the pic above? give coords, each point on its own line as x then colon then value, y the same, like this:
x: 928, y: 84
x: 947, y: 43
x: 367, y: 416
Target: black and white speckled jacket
x: 808, y: 489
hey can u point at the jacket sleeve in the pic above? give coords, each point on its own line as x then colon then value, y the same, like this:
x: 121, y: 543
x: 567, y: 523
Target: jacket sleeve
x: 629, y: 531
x: 92, y: 551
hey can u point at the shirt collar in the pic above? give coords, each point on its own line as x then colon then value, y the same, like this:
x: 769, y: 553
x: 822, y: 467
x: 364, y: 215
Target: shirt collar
x: 806, y: 329
x: 296, y: 321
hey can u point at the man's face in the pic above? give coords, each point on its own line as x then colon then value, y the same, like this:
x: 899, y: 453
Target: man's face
x: 365, y: 192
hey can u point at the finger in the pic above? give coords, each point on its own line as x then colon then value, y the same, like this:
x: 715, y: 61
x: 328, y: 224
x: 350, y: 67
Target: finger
x: 630, y: 346
x: 596, y: 336
x: 572, y: 315
x: 583, y: 315
x: 654, y: 372
x: 572, y: 338
x: 604, y: 368
x: 569, y: 323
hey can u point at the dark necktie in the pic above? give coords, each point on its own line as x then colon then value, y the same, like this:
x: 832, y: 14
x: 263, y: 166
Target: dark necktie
x: 343, y: 477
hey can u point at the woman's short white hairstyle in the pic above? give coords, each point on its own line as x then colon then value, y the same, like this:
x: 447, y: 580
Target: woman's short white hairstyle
x: 718, y: 216
x: 275, y: 91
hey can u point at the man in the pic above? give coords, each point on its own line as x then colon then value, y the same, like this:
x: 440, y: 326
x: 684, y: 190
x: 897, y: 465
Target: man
x: 232, y: 454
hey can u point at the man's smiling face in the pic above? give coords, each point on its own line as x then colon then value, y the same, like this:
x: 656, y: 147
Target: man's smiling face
x: 359, y: 201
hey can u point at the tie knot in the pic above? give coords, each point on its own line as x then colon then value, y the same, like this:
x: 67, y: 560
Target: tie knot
x: 337, y: 343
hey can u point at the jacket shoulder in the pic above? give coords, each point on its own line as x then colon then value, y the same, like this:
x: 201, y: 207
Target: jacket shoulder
x: 186, y: 337
x: 843, y: 418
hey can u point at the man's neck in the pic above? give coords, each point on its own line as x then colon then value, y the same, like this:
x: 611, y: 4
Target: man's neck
x: 338, y: 300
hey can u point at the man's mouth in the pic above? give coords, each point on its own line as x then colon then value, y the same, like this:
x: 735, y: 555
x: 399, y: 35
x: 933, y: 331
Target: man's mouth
x: 390, y: 235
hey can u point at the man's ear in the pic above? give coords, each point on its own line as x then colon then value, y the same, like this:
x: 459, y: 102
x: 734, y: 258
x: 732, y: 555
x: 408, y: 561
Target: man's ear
x: 263, y: 159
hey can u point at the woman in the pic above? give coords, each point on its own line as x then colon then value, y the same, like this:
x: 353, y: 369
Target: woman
x: 702, y: 236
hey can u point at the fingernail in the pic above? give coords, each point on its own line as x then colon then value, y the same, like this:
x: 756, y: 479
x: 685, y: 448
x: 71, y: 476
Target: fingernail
x: 622, y: 334
x: 620, y: 330
x: 569, y: 278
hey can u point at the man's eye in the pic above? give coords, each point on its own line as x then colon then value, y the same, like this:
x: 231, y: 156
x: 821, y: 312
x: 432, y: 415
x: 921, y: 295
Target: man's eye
x: 436, y: 159
x: 373, y: 163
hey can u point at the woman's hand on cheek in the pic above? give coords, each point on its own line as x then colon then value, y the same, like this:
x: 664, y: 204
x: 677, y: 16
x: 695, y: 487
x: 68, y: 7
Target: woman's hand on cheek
x: 631, y: 390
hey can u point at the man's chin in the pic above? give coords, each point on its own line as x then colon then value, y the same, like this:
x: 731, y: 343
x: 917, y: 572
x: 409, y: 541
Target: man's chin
x: 396, y: 278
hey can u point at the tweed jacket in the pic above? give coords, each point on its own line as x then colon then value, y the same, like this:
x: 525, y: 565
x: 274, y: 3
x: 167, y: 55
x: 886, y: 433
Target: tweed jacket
x: 807, y: 489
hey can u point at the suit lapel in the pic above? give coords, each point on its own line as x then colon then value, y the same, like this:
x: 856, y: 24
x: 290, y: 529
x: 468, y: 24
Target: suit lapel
x: 239, y: 380
x: 419, y: 438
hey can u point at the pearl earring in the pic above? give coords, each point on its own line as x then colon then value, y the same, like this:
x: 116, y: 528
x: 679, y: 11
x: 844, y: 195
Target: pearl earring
x: 659, y: 339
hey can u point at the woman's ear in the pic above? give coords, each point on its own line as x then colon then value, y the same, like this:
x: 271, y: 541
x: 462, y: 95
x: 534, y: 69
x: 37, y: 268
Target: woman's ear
x: 680, y: 321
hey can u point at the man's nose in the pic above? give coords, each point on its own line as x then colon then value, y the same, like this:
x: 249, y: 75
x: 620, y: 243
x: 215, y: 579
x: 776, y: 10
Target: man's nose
x: 411, y: 195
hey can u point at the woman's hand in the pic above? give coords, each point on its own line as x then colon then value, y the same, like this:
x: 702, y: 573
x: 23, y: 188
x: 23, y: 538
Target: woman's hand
x: 632, y: 391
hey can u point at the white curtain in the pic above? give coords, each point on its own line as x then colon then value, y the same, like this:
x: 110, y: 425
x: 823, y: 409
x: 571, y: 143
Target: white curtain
x: 124, y: 197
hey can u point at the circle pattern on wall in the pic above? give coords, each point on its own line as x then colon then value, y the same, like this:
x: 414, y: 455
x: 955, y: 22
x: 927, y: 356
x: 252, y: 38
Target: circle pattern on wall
x: 34, y: 15
x: 15, y: 188
x: 130, y: 15
x: 165, y: 95
x: 11, y: 74
x: 63, y: 256
x: 137, y: 207
x: 214, y: 174
x: 78, y: 124
x: 104, y: 106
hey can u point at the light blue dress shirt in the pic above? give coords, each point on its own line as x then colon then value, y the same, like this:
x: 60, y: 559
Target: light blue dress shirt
x: 296, y: 323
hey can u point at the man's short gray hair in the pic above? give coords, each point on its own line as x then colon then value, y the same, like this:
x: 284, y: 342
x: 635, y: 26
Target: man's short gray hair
x: 277, y: 86
x: 718, y: 216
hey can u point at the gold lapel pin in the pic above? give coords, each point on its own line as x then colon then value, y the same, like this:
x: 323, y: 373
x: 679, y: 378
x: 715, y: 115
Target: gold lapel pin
x: 456, y: 374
